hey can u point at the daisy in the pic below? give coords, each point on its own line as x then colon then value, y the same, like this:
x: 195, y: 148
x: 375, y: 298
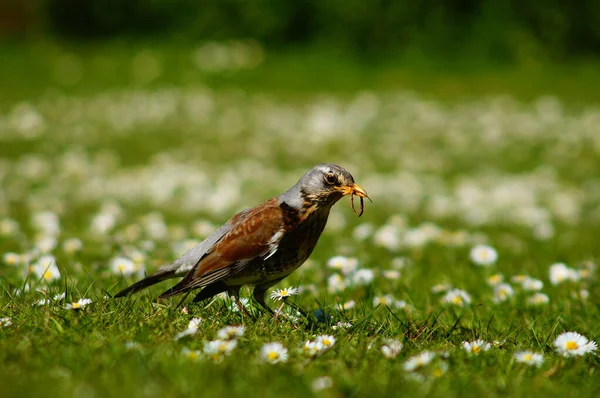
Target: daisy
x: 191, y: 354
x: 72, y: 245
x: 560, y: 273
x: 78, y: 304
x: 326, y: 341
x: 336, y: 283
x: 233, y: 306
x: 519, y: 278
x: 483, y: 255
x: 45, y: 268
x: 56, y: 297
x: 11, y: 258
x: 418, y: 361
x: 495, y: 279
x: 538, y: 299
x: 344, y: 264
x: 218, y: 349
x: 192, y: 328
x: 45, y: 244
x: 503, y: 292
x: 362, y: 277
x: 475, y: 347
x: 388, y: 300
x: 363, y: 231
x: 532, y: 284
x: 391, y: 348
x: 348, y: 305
x: 274, y: 353
x: 231, y: 332
x: 123, y: 265
x: 457, y: 297
x: 391, y: 274
x: 282, y: 294
x: 530, y: 358
x: 342, y: 325
x: 441, y: 288
x: 321, y: 383
x: 573, y: 344
x: 5, y: 322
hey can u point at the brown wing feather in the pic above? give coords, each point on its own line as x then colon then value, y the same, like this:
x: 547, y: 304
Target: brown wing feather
x: 249, y: 239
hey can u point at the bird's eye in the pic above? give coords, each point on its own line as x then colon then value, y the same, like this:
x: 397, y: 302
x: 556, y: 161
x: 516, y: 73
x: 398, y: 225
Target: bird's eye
x: 330, y: 178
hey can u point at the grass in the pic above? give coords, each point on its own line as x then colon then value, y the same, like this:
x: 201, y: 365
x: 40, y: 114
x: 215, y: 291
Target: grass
x: 477, y: 157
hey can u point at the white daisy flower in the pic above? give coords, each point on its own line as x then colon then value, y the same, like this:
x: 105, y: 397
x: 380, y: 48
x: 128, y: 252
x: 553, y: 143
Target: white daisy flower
x: 312, y: 348
x: 321, y: 383
x: 503, y: 292
x: 5, y: 322
x: 132, y: 345
x: 560, y: 273
x: 11, y: 258
x: 45, y: 268
x: 388, y: 300
x: 56, y: 297
x: 530, y: 358
x: 336, y: 283
x: 519, y: 278
x: 218, y: 349
x: 391, y: 274
x: 191, y: 354
x: 282, y: 294
x: 192, y: 328
x: 362, y: 277
x: 581, y: 294
x: 326, y: 341
x: 274, y: 353
x: 495, y: 279
x: 418, y: 361
x: 538, y: 299
x: 348, y: 305
x: 72, y: 245
x: 457, y: 297
x: 345, y: 265
x: 573, y: 344
x: 532, y: 284
x: 231, y: 332
x: 483, y: 255
x: 441, y: 288
x: 388, y: 236
x: 8, y: 227
x: 123, y: 265
x: 78, y: 304
x: 475, y: 347
x: 391, y: 348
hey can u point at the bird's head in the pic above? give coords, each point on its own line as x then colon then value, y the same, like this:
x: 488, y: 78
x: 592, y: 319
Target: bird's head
x: 327, y: 183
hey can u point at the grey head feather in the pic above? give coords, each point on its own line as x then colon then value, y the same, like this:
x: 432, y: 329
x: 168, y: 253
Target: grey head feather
x: 312, y: 182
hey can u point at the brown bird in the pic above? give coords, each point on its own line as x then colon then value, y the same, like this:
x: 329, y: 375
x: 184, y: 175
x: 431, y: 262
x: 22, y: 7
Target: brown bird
x: 263, y: 245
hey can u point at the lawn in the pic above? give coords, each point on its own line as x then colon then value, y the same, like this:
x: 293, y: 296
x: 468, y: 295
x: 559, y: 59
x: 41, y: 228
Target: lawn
x: 484, y: 223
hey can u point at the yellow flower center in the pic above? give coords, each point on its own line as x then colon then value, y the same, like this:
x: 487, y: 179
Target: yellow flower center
x: 192, y: 355
x: 273, y: 355
x: 571, y: 345
x: 284, y: 293
x: 437, y: 372
x: 76, y: 305
x: 476, y: 349
x: 457, y: 300
x: 527, y: 357
x: 121, y: 267
x: 47, y: 275
x: 326, y: 342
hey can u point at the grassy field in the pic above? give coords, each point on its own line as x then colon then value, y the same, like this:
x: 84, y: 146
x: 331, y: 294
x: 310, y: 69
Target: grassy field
x: 114, y: 162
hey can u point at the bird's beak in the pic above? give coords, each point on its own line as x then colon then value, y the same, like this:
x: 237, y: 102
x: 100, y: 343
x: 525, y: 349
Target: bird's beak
x: 354, y: 189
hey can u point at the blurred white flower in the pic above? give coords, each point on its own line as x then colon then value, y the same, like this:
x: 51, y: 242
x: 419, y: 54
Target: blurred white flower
x: 441, y: 287
x: 483, y: 255
x: 5, y: 322
x: 345, y: 265
x: 336, y: 283
x: 418, y: 361
x: 538, y: 299
x: 231, y: 332
x: 560, y: 273
x: 391, y: 348
x: 530, y: 358
x: 495, y: 279
x: 475, y: 347
x: 363, y: 231
x: 503, y: 292
x: 45, y: 268
x: 218, y: 349
x: 457, y: 297
x: 532, y: 284
x: 72, y: 245
x: 123, y: 265
x: 321, y: 383
x: 11, y: 258
x: 274, y: 353
x: 80, y: 304
x: 362, y: 276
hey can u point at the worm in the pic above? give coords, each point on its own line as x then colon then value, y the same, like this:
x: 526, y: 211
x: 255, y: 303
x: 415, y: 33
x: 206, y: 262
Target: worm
x: 362, y: 206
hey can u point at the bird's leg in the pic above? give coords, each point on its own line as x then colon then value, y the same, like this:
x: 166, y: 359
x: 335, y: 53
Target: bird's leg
x: 259, y: 296
x: 235, y: 293
x: 182, y: 300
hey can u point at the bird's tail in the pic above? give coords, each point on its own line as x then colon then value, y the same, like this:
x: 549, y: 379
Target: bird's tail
x: 150, y: 280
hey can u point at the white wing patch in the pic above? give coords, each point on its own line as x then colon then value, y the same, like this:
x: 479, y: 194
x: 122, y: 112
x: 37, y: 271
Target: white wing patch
x: 274, y: 243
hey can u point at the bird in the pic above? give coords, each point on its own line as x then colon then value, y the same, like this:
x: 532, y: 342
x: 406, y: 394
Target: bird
x: 262, y: 245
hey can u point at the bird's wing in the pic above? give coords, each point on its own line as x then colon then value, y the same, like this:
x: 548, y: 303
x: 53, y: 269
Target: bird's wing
x: 187, y: 261
x: 256, y: 236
